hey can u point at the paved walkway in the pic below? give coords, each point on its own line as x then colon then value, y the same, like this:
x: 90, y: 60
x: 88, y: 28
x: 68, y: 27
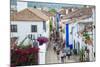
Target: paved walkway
x: 51, y: 57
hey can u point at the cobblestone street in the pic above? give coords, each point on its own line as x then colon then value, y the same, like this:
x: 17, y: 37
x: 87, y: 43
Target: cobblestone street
x: 51, y: 57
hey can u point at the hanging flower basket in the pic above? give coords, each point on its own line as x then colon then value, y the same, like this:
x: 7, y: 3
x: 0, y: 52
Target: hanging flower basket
x: 42, y: 40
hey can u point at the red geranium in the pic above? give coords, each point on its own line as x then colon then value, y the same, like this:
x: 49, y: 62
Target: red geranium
x: 42, y: 40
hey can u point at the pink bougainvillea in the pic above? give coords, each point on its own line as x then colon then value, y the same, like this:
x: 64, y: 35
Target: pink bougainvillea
x: 22, y: 57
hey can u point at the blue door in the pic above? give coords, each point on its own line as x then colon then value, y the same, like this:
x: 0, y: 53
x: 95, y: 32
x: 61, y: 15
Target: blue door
x: 67, y: 35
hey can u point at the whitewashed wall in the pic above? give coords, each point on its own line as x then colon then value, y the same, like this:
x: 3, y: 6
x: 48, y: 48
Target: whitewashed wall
x: 46, y: 34
x: 74, y: 35
x: 70, y: 35
x: 24, y: 28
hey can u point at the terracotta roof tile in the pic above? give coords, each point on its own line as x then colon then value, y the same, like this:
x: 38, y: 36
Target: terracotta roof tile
x: 29, y: 14
x: 79, y: 13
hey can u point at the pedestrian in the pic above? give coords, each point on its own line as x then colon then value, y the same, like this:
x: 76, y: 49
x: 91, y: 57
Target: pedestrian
x: 68, y: 53
x: 54, y: 47
x: 58, y: 53
x: 50, y: 37
x: 63, y: 54
x: 63, y: 43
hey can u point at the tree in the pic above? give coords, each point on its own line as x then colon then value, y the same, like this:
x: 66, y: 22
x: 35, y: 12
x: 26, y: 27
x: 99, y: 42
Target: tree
x: 50, y: 25
x: 53, y: 11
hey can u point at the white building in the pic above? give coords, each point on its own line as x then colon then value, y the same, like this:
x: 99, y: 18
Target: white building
x: 29, y: 21
x: 77, y: 22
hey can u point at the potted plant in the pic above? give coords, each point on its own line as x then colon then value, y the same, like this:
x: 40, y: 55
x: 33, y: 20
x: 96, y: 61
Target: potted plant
x: 42, y: 40
x: 88, y: 40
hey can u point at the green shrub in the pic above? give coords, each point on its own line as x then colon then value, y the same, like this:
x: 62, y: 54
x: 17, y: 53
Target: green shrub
x: 53, y: 11
x: 50, y: 25
x: 82, y: 54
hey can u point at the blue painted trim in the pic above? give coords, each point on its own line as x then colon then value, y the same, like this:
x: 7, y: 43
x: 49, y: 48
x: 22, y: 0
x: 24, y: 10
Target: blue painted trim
x: 67, y: 35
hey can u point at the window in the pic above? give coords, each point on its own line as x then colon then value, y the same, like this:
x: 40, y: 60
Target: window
x: 34, y: 28
x: 13, y: 28
x: 44, y: 26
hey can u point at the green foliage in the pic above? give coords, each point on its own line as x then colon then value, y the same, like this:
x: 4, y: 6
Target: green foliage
x: 24, y: 46
x: 53, y: 11
x: 50, y: 25
x: 82, y: 54
x: 86, y: 35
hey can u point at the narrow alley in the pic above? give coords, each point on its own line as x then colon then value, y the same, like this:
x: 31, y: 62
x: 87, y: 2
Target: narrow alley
x: 51, y: 56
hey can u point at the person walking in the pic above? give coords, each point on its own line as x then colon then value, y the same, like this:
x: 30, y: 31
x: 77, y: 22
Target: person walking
x: 54, y: 46
x: 68, y: 53
x: 58, y: 53
x: 63, y: 55
x: 58, y: 50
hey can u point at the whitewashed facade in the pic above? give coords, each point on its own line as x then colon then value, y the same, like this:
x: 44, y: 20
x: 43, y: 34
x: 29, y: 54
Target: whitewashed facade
x: 24, y: 28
